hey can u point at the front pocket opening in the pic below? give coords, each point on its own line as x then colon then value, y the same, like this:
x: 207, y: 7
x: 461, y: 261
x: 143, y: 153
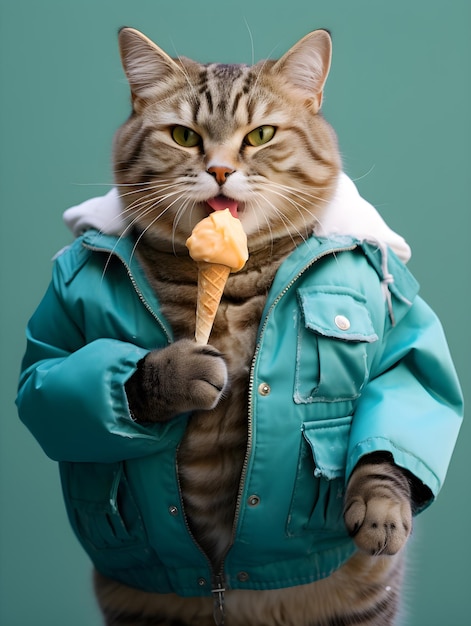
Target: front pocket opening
x: 328, y: 440
x: 317, y: 501
x: 101, y: 505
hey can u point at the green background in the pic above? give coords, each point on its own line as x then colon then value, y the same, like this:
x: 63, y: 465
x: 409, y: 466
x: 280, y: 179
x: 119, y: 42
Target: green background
x: 398, y: 96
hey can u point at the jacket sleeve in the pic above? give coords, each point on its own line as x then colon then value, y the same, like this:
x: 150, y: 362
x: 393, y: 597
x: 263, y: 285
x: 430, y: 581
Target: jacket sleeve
x: 412, y: 405
x: 71, y: 392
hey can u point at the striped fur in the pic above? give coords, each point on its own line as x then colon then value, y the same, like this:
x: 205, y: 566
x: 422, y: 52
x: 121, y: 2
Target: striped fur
x: 363, y: 592
x: 282, y: 187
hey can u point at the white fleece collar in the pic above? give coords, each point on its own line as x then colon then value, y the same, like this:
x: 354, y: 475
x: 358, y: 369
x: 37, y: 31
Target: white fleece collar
x: 348, y: 214
x: 103, y: 213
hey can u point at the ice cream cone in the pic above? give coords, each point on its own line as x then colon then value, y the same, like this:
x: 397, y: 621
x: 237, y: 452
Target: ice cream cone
x: 212, y: 278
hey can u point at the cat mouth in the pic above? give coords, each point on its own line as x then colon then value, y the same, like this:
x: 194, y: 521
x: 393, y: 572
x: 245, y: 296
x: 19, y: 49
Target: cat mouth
x: 219, y: 203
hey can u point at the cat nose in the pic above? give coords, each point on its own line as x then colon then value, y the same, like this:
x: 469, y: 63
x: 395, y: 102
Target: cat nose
x: 220, y: 173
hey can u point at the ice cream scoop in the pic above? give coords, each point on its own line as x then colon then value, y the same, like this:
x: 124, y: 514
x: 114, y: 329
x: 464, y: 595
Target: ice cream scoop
x: 218, y: 244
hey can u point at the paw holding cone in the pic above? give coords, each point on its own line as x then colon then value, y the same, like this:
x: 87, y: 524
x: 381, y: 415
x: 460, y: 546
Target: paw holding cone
x: 218, y: 244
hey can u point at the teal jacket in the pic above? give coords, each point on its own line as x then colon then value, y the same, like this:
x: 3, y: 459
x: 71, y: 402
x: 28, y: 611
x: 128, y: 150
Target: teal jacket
x: 349, y: 360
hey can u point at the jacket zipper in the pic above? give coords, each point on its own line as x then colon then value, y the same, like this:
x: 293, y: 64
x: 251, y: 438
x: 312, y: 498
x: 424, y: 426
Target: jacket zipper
x: 251, y: 385
x: 217, y: 580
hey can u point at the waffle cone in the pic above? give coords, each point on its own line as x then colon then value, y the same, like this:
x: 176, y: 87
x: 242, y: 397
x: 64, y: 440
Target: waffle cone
x: 212, y: 279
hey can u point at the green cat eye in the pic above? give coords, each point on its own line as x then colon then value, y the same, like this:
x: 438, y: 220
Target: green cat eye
x: 260, y: 135
x: 185, y: 137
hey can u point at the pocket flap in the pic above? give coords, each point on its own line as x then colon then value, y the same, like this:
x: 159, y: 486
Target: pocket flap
x: 341, y: 315
x: 328, y: 440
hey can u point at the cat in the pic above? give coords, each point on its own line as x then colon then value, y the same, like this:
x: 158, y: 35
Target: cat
x: 253, y: 138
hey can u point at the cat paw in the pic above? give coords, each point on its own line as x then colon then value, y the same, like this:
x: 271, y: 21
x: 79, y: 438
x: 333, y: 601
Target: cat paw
x: 184, y: 376
x: 378, y: 526
x: 378, y: 509
x: 204, y: 373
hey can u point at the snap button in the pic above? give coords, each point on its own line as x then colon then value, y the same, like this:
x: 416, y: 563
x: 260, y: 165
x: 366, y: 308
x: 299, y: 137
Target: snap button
x: 342, y: 322
x: 254, y: 500
x: 243, y: 577
x: 201, y: 582
x: 173, y: 510
x: 264, y: 389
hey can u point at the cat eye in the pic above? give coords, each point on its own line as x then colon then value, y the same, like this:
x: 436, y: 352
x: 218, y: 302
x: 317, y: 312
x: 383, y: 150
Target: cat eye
x: 260, y: 135
x: 185, y: 137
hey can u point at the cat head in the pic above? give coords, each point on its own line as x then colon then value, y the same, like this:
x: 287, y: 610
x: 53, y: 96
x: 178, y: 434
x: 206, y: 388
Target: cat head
x: 206, y: 137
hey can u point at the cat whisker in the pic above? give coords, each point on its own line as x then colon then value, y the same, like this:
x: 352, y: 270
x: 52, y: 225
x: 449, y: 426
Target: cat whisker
x: 316, y: 219
x: 289, y: 225
x: 297, y: 192
x: 249, y: 30
x: 184, y: 71
x: 117, y: 185
x: 259, y: 75
x: 138, y: 211
x: 300, y: 208
x: 267, y: 221
x: 151, y: 186
x: 179, y: 214
x: 162, y: 196
x: 153, y: 222
x: 357, y: 178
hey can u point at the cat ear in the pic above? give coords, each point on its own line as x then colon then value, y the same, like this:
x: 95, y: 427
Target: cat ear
x: 145, y: 64
x: 306, y: 66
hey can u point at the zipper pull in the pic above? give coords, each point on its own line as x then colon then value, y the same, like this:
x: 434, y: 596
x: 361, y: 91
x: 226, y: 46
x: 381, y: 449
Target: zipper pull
x: 218, y: 594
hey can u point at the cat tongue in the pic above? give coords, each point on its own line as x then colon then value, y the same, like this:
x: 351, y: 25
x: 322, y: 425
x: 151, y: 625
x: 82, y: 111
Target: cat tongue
x: 219, y: 203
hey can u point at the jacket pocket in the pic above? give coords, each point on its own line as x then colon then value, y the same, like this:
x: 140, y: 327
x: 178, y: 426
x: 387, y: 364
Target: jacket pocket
x: 317, y: 501
x: 104, y: 514
x: 334, y: 333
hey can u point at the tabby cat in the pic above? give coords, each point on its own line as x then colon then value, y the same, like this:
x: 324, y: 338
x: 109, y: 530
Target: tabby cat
x: 251, y: 138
